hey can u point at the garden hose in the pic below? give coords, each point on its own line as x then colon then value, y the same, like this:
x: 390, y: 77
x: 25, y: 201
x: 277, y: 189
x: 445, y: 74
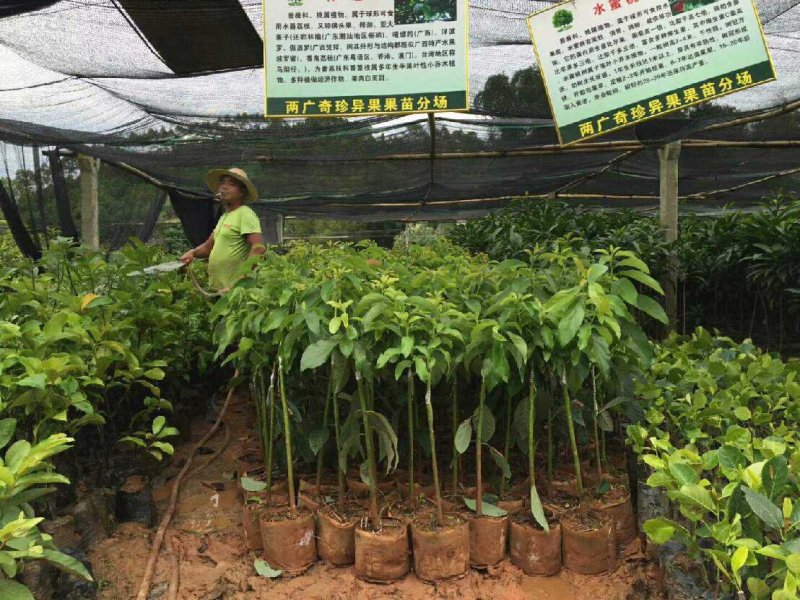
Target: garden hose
x: 199, y: 287
x: 147, y: 578
x: 173, y: 266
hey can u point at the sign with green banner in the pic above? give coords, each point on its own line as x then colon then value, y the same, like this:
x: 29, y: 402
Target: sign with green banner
x: 608, y: 64
x: 349, y: 58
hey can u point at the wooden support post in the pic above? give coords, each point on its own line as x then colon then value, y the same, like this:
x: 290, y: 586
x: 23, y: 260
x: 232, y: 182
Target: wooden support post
x: 37, y: 172
x: 668, y: 158
x: 272, y: 228
x: 90, y: 227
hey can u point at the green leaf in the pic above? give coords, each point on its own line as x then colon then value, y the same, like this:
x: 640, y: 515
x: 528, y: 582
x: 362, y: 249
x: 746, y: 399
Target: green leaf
x: 406, y: 345
x: 317, y: 439
x: 570, y: 323
x: 334, y: 324
x: 487, y: 430
x: 8, y: 564
x: 537, y: 510
x: 7, y: 428
x: 697, y: 497
x: 772, y: 551
x: 421, y: 368
x: 463, y: 436
x: 660, y: 530
x: 601, y: 354
x: 18, y: 452
x: 165, y: 447
x: 654, y: 462
x: 774, y: 476
x: 500, y: 461
x: 67, y: 564
x: 386, y: 356
x: 312, y: 322
x: 684, y: 473
x: 168, y: 432
x: 158, y: 424
x: 730, y: 458
x: 363, y: 471
x: 38, y: 381
x: 133, y: 440
x: 386, y: 437
x: 793, y: 563
x: 742, y: 413
x: 252, y: 485
x: 758, y: 588
x: 154, y: 374
x: 263, y: 569
x: 627, y: 290
x: 764, y: 509
x: 738, y: 560
x: 652, y: 308
x: 634, y: 263
x: 643, y: 279
x: 490, y: 510
x: 596, y: 271
x: 11, y: 590
x: 317, y: 354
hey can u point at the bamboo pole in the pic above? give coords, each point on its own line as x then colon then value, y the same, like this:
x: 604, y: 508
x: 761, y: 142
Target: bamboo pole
x: 668, y: 157
x: 90, y: 226
x: 546, y: 149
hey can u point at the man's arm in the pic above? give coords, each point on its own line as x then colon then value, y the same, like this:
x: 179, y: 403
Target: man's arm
x: 256, y: 244
x: 202, y: 251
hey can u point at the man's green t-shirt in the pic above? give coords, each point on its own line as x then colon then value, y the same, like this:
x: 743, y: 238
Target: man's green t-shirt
x: 230, y: 245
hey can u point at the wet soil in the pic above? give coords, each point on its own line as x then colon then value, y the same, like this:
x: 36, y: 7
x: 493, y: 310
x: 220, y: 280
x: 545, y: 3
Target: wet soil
x: 207, y: 540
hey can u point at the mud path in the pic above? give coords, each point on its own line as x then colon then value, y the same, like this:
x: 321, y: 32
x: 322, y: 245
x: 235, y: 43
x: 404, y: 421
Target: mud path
x: 214, y: 564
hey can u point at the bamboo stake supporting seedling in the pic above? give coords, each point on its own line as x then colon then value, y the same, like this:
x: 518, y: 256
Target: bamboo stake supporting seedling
x: 550, y: 465
x: 456, y: 455
x: 336, y: 432
x: 325, y: 426
x: 668, y: 168
x: 271, y: 429
x: 437, y: 489
x: 507, y: 446
x: 571, y: 429
x: 287, y: 436
x: 410, y: 403
x: 373, y: 475
x: 261, y: 408
x: 478, y: 452
x: 534, y: 495
x: 596, y: 417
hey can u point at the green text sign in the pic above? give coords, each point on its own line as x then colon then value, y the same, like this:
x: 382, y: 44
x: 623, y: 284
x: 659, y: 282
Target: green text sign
x: 337, y: 58
x: 608, y: 64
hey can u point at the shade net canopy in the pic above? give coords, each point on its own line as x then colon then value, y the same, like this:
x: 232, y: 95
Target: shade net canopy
x: 166, y: 90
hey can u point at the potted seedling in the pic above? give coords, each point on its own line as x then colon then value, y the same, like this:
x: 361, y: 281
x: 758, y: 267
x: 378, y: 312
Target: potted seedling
x: 288, y: 533
x: 535, y: 545
x: 441, y: 541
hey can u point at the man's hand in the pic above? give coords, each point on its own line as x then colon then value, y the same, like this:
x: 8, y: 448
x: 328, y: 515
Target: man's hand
x: 188, y: 257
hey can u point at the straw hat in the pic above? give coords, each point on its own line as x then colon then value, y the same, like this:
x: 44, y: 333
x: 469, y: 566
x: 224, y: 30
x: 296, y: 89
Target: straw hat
x: 214, y: 175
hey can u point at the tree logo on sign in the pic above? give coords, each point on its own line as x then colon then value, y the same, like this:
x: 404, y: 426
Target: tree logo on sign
x: 562, y: 20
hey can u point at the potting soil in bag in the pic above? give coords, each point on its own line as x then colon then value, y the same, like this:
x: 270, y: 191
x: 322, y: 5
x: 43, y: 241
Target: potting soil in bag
x: 683, y: 577
x: 135, y: 502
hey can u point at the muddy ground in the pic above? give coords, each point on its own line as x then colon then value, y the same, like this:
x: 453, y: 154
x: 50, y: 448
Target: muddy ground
x: 205, y: 547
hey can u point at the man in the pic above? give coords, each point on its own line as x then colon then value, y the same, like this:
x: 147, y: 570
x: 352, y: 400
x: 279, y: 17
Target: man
x: 237, y: 235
